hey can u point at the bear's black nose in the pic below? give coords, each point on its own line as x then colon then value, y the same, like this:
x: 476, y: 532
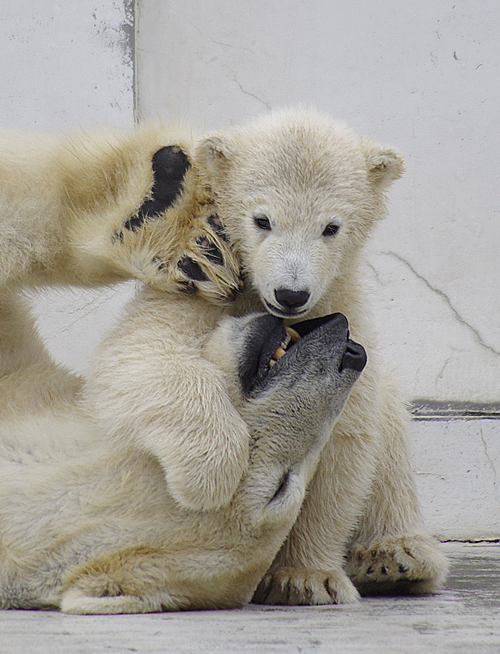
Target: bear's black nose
x: 354, y: 357
x: 291, y: 299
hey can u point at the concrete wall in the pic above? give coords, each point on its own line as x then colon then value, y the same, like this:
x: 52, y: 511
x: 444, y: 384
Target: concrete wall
x: 423, y: 77
x: 69, y: 65
x: 66, y: 64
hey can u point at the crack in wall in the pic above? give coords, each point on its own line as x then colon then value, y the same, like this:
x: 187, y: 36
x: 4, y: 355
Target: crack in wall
x: 221, y: 44
x: 252, y: 95
x: 232, y: 47
x: 477, y: 336
x: 487, y: 455
x: 440, y: 374
x: 376, y: 275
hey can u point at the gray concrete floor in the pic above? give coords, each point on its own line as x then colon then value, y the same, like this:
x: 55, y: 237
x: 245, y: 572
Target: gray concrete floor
x: 464, y: 618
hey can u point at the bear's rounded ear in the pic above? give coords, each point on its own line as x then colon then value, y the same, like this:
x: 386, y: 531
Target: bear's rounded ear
x: 215, y: 153
x: 385, y: 165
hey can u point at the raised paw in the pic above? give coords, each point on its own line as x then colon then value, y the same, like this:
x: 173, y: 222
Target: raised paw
x: 403, y: 565
x: 302, y: 586
x: 175, y: 241
x: 208, y: 264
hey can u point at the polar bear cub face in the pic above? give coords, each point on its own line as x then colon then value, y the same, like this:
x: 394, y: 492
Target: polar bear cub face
x: 298, y: 194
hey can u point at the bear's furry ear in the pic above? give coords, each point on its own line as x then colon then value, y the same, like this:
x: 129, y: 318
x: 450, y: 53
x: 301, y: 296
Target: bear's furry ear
x: 385, y: 165
x: 215, y: 153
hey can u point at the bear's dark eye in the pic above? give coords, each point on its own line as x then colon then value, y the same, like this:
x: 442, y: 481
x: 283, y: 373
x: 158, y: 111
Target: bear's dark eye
x: 262, y: 222
x: 331, y: 229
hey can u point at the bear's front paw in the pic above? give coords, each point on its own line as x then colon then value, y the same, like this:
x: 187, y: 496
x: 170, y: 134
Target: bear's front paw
x: 302, y: 586
x: 403, y: 565
x: 192, y: 258
x: 175, y: 241
x: 208, y: 264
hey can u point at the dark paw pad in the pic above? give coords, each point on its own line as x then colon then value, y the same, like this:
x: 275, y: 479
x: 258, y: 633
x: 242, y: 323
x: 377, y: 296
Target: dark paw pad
x: 210, y: 250
x: 170, y: 164
x: 192, y: 269
x: 216, y: 224
x: 188, y: 288
x: 134, y: 223
x: 159, y: 263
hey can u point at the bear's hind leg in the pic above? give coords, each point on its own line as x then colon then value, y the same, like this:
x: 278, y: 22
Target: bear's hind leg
x: 134, y: 579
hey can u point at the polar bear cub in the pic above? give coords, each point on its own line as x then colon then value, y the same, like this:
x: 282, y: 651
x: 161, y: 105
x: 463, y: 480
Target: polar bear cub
x: 90, y: 528
x: 298, y: 194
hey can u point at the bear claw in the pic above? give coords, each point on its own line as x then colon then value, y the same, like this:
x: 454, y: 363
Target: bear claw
x: 305, y: 587
x: 404, y: 564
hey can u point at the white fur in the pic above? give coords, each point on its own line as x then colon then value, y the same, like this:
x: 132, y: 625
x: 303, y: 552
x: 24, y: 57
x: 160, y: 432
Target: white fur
x: 163, y: 387
x: 64, y: 201
x: 304, y: 172
x: 91, y: 528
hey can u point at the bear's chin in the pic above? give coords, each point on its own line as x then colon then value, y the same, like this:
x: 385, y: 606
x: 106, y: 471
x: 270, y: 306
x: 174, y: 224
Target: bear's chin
x: 272, y: 309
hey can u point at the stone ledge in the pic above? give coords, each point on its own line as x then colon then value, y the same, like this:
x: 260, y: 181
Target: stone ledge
x: 423, y: 409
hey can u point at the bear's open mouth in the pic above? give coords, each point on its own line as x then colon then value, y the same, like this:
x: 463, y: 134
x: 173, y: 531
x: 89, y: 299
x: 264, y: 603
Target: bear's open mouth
x: 354, y: 357
x: 276, y: 340
x: 291, y: 337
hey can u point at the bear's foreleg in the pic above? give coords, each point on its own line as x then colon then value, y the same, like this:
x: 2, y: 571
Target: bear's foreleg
x: 152, y: 389
x: 95, y: 209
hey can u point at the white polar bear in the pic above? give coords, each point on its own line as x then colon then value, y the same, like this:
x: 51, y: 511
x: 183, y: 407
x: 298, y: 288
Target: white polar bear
x: 298, y: 195
x: 89, y: 528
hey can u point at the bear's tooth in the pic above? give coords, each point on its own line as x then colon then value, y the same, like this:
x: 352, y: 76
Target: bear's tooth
x: 280, y: 352
x: 286, y: 341
x: 294, y: 336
